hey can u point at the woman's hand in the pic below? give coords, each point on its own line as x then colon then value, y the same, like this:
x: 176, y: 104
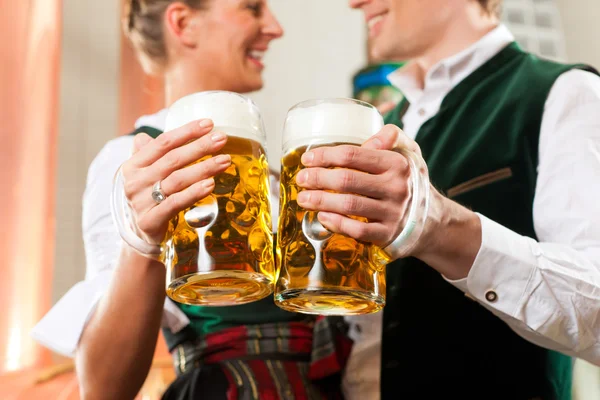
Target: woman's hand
x: 167, y: 160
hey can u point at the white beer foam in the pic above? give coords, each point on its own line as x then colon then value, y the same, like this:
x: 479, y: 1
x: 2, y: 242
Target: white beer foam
x: 329, y: 122
x: 230, y: 112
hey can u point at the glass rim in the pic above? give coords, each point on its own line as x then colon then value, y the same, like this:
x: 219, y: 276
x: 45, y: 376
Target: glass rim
x: 243, y: 114
x: 332, y: 100
x: 205, y: 93
x: 338, y: 131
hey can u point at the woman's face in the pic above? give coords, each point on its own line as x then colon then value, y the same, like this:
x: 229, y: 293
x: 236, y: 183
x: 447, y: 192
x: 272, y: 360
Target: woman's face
x: 232, y: 38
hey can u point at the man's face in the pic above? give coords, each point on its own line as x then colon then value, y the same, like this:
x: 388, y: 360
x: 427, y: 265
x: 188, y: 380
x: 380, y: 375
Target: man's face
x: 406, y: 29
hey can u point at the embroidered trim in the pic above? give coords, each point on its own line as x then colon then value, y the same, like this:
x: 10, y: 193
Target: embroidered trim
x: 480, y: 181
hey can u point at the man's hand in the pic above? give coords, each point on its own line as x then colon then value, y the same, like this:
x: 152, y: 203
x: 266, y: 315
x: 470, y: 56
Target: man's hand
x: 371, y: 181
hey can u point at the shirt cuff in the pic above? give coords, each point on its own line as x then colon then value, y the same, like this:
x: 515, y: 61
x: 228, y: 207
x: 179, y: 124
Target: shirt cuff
x: 173, y: 317
x: 501, y: 274
x: 61, y: 328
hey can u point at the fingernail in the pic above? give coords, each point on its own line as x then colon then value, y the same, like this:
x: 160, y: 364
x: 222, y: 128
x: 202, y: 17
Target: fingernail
x: 205, y: 123
x: 323, y: 217
x: 218, y: 136
x: 377, y: 142
x: 307, y: 158
x: 223, y: 159
x: 208, y: 183
x: 301, y: 177
x: 303, y: 197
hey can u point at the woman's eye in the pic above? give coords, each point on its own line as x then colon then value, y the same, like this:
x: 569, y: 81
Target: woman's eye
x: 255, y: 7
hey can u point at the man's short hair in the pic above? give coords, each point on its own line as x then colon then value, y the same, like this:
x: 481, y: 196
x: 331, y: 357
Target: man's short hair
x: 492, y: 7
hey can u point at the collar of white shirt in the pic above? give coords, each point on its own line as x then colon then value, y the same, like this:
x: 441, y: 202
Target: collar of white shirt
x: 447, y: 73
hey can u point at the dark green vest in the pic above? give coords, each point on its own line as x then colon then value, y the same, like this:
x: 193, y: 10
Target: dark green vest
x: 437, y: 343
x: 204, y: 320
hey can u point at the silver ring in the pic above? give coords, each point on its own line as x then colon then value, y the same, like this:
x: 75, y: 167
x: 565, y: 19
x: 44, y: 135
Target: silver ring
x: 157, y: 194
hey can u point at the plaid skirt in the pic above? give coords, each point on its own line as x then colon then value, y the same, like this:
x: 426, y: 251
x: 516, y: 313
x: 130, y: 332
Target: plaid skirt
x: 280, y: 361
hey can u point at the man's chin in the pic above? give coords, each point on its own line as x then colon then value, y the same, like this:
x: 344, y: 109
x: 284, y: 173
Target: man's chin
x: 380, y: 53
x: 383, y: 51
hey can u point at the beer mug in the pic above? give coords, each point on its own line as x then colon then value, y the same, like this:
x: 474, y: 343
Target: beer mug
x: 321, y: 272
x: 220, y: 251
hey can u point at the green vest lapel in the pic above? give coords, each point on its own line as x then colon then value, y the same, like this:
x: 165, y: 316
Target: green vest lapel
x: 150, y: 131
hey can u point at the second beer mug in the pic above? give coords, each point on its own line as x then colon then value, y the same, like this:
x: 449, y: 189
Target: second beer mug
x: 322, y: 272
x: 220, y: 251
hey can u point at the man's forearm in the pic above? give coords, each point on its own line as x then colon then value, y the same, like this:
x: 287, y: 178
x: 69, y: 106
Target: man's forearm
x: 117, y: 346
x: 451, y: 239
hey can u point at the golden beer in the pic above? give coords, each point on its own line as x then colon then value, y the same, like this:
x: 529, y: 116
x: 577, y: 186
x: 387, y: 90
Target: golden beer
x: 322, y: 272
x: 347, y: 277
x: 220, y: 252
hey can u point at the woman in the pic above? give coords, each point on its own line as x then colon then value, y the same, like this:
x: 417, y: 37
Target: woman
x: 195, y: 45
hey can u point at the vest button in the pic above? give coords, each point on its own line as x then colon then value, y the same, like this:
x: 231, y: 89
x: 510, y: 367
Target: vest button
x: 392, y: 364
x: 491, y: 296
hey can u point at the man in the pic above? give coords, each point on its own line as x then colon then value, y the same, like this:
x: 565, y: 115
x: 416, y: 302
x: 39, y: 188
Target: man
x: 504, y: 282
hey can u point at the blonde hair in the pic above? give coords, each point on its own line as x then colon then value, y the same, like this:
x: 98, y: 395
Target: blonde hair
x: 143, y: 26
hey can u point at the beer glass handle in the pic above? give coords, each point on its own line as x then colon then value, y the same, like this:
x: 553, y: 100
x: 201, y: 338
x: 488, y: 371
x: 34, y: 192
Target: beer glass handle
x: 122, y: 218
x: 418, y: 210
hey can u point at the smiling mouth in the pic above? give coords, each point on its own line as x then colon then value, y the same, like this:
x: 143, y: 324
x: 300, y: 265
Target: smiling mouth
x: 256, y: 56
x: 375, y: 22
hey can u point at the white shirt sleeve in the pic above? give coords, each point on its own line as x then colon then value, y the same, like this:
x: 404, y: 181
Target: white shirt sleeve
x: 62, y: 326
x: 101, y: 239
x: 548, y: 291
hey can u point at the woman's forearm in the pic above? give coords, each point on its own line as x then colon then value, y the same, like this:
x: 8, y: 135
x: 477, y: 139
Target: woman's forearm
x: 116, y: 349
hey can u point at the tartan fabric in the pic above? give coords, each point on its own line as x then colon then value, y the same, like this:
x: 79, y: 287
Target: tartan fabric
x: 295, y: 360
x: 331, y: 347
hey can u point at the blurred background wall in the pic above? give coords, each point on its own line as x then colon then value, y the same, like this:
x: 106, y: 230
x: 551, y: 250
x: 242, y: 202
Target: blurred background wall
x: 580, y: 19
x: 89, y: 99
x: 102, y: 90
